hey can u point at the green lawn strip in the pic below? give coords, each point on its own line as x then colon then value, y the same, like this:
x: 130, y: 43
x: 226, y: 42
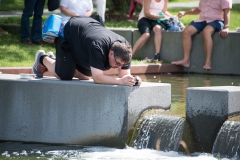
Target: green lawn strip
x: 14, y: 5
x: 15, y: 54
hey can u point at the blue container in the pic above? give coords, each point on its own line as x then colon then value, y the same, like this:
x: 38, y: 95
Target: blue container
x: 51, y: 27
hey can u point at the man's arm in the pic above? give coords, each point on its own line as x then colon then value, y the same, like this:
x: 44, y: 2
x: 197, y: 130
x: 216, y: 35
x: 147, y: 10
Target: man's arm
x: 226, y: 17
x: 124, y: 78
x: 123, y: 72
x: 193, y: 11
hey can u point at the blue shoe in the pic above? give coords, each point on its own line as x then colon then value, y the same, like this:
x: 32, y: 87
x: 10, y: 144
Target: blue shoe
x: 38, y: 68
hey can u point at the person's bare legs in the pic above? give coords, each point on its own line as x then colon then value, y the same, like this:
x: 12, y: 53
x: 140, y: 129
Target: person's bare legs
x: 208, y: 45
x: 157, y: 38
x: 50, y: 65
x: 188, y: 32
x: 140, y: 42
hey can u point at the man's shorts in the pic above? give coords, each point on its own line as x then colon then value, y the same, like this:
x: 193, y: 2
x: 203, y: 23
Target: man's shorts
x: 65, y: 64
x: 146, y: 25
x: 217, y: 25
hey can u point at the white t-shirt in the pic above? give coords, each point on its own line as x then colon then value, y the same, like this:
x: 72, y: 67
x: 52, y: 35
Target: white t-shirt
x: 79, y: 7
x: 154, y: 8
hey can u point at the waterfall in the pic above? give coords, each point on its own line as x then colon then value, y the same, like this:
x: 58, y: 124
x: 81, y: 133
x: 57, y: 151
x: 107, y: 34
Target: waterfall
x: 227, y: 143
x: 161, y: 132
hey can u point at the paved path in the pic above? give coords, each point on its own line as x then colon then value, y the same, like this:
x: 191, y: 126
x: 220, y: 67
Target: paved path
x: 170, y: 5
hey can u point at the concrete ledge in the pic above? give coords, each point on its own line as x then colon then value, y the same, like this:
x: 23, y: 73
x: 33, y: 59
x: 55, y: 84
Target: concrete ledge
x: 15, y: 70
x: 74, y: 112
x: 135, y: 69
x: 207, y: 108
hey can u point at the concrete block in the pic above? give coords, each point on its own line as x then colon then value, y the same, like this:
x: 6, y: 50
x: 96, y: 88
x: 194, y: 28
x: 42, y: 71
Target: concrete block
x: 48, y: 110
x: 207, y: 108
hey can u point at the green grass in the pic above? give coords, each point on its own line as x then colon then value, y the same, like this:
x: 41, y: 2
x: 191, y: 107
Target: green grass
x: 14, y: 5
x: 11, y: 5
x: 15, y: 54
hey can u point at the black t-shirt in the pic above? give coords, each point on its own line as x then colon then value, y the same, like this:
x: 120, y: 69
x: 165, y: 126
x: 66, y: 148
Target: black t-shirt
x: 90, y: 42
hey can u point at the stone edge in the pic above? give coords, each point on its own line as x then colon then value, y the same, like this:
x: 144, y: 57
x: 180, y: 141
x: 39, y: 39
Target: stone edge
x: 135, y: 69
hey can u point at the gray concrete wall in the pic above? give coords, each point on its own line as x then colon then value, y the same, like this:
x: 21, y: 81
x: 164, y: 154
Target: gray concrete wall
x: 74, y: 112
x: 207, y: 108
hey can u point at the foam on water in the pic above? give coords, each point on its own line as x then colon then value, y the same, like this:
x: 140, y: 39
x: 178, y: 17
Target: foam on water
x: 95, y: 153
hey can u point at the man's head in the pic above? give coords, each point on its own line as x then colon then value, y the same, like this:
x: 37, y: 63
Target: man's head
x: 121, y: 52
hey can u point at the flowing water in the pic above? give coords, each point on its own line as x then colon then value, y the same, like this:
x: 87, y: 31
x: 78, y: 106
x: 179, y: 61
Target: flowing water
x: 228, y: 139
x: 159, y: 132
x: 143, y: 140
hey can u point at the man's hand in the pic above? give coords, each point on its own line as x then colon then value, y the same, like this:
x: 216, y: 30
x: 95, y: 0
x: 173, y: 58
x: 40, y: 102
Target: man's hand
x: 224, y: 33
x: 138, y: 81
x: 226, y: 17
x: 125, y: 78
x: 129, y: 80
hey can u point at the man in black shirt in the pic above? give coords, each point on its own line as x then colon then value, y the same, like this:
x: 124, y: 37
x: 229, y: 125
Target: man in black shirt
x: 86, y: 50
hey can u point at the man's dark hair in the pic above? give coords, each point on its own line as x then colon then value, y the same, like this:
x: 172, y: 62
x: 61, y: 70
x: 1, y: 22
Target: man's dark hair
x: 122, y: 51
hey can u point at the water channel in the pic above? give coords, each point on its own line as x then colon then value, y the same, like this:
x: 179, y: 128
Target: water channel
x: 179, y: 83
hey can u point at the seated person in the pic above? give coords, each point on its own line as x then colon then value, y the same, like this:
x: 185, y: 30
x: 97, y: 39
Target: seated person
x: 214, y: 17
x: 147, y: 22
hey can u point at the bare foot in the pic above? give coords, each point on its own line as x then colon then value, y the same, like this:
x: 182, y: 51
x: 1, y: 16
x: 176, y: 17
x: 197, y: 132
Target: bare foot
x: 181, y: 63
x: 207, y: 67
